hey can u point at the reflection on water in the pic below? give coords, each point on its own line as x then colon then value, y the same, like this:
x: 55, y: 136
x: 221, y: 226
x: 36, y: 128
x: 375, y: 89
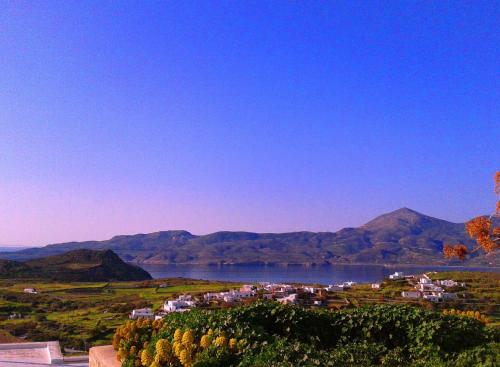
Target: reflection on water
x: 326, y: 274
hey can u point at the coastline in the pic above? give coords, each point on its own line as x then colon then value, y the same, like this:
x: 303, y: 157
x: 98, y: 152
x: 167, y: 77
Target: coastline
x: 276, y: 264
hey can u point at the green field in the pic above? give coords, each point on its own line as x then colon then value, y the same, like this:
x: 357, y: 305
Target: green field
x: 85, y: 314
x: 81, y: 315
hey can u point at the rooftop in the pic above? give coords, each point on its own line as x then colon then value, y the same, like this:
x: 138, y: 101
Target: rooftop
x: 37, y: 355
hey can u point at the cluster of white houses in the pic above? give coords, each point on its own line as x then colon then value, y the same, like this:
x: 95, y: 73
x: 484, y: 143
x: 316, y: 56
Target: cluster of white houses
x: 247, y: 291
x: 431, y: 291
x: 283, y: 293
x: 425, y: 288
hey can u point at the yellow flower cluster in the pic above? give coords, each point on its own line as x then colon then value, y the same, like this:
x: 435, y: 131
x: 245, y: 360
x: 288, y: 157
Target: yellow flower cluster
x: 183, y: 346
x: 185, y: 349
x: 472, y: 314
x: 132, y: 332
x: 182, y: 349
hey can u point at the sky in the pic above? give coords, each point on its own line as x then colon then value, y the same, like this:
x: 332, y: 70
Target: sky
x: 271, y: 116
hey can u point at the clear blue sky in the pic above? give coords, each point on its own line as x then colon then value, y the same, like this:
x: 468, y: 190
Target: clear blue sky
x: 126, y: 117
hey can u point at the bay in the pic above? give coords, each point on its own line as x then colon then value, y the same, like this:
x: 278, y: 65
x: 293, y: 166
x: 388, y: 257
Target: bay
x: 327, y: 274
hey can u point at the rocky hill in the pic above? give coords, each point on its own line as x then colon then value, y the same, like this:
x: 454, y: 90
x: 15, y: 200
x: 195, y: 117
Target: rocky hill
x: 402, y: 236
x: 78, y: 265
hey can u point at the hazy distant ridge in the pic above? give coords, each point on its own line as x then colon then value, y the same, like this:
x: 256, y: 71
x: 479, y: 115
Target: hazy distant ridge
x: 402, y: 236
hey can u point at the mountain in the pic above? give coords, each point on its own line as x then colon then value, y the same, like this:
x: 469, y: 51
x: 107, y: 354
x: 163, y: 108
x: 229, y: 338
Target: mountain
x: 12, y: 248
x: 77, y: 265
x: 402, y: 236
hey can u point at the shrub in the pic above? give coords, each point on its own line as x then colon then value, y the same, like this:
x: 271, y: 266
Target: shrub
x: 274, y: 335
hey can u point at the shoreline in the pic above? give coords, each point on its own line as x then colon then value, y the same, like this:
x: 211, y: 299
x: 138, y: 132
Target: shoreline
x: 306, y: 265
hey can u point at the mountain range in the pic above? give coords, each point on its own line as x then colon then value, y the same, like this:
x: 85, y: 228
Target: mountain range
x: 77, y: 265
x: 403, y: 236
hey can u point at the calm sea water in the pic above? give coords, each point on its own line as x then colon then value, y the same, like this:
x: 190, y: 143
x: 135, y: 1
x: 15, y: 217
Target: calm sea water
x: 327, y: 274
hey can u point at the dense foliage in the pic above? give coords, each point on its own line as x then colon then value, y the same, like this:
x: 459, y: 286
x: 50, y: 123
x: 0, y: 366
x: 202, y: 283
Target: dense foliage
x: 271, y: 334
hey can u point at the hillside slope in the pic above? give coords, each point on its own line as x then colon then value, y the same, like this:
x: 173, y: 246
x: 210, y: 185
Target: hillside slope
x: 402, y: 236
x: 78, y: 265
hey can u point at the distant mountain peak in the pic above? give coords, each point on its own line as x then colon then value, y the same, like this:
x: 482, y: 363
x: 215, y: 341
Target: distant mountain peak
x: 404, y: 221
x: 400, y: 236
x: 399, y: 214
x: 404, y: 211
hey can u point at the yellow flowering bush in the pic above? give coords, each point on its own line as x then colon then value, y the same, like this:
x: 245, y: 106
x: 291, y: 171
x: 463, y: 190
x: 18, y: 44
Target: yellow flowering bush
x: 472, y: 314
x: 178, y: 335
x: 220, y: 341
x: 188, y: 339
x: 183, y: 349
x: 185, y: 358
x: 146, y: 358
x: 205, y: 341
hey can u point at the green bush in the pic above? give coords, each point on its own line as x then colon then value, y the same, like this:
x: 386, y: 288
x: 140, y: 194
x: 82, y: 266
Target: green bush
x: 275, y: 335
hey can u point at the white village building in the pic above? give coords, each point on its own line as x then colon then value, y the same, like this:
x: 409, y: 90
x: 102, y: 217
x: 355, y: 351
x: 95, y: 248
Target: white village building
x: 335, y: 288
x: 229, y: 297
x: 142, y: 313
x: 449, y: 283
x: 410, y: 294
x: 397, y: 275
x: 182, y: 303
x: 290, y: 299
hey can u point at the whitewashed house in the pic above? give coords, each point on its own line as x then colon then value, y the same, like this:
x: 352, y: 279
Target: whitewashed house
x: 246, y: 294
x: 425, y: 280
x: 247, y: 288
x: 375, y: 285
x: 229, y: 297
x: 335, y: 288
x: 410, y: 294
x: 210, y: 296
x: 428, y: 287
x: 397, y: 275
x: 142, y: 313
x: 448, y: 283
x: 30, y: 290
x: 309, y: 290
x: 433, y: 297
x: 440, y: 296
x: 290, y: 299
x: 179, y: 305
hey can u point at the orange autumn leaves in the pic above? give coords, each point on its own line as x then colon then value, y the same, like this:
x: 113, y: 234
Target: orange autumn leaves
x: 480, y: 229
x: 455, y: 251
